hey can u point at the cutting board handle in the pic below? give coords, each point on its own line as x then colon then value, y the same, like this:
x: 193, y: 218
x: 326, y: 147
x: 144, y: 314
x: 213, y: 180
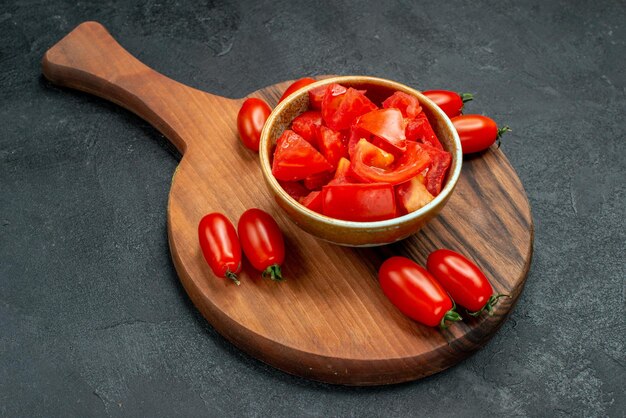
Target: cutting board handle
x: 89, y: 59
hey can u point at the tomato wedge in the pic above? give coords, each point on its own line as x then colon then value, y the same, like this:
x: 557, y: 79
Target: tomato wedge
x: 295, y: 86
x: 316, y: 181
x: 440, y: 162
x: 387, y: 124
x: 316, y: 97
x: 294, y: 189
x: 412, y: 162
x: 419, y: 129
x: 332, y: 145
x: 296, y: 159
x: 340, y: 108
x: 307, y: 124
x: 359, y: 202
x: 413, y: 194
x: 313, y: 201
x: 405, y: 103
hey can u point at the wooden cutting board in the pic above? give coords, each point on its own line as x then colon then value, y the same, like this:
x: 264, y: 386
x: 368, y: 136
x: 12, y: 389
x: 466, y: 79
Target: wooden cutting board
x: 329, y: 320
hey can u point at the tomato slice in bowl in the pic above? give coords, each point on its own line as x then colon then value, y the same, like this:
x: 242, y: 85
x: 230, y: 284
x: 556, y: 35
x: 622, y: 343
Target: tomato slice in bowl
x: 359, y: 202
x: 307, y: 124
x: 405, y: 103
x: 340, y: 108
x: 409, y: 164
x: 296, y: 159
x: 387, y: 124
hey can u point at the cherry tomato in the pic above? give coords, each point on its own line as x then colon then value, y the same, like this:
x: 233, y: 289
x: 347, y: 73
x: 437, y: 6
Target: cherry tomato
x: 416, y: 293
x: 220, y: 246
x: 449, y: 101
x: 250, y: 120
x: 296, y: 159
x: 295, y: 86
x: 262, y: 242
x: 463, y: 280
x: 477, y: 132
x: 403, y: 168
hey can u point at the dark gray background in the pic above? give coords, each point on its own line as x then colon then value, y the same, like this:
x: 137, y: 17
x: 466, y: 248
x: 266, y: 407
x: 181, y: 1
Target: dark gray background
x: 93, y: 320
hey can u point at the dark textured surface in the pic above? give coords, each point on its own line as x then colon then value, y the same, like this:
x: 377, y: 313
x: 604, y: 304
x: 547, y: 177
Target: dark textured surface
x: 93, y: 320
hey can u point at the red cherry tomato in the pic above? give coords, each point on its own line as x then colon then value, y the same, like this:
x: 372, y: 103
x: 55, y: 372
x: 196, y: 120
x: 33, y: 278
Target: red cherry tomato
x: 463, y: 280
x: 295, y: 86
x: 416, y: 293
x: 250, y: 120
x: 220, y: 246
x: 477, y: 132
x: 262, y: 242
x: 449, y: 101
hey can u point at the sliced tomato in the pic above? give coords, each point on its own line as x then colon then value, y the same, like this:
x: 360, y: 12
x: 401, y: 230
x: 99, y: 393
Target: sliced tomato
x: 332, y: 145
x: 405, y: 103
x: 374, y: 156
x: 419, y: 129
x: 313, y: 201
x: 294, y: 189
x: 316, y: 181
x: 343, y: 169
x: 439, y: 163
x: 412, y: 195
x: 307, y: 124
x: 316, y: 97
x: 296, y: 159
x: 356, y: 134
x: 339, y: 109
x: 387, y: 124
x: 408, y: 165
x: 359, y: 202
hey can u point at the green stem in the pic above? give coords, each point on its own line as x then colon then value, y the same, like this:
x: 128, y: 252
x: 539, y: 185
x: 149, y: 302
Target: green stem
x: 466, y: 97
x: 502, y: 131
x: 493, y: 300
x: 452, y: 316
x: 273, y: 272
x: 232, y: 276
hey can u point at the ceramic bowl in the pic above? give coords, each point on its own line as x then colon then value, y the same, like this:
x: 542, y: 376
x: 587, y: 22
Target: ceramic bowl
x: 349, y: 233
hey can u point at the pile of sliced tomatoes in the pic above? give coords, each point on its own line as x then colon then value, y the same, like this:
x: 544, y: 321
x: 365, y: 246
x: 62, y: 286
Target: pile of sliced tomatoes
x: 352, y: 159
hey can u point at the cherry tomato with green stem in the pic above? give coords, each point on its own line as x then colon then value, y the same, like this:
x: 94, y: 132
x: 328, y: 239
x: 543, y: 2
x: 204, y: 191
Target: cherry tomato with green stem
x: 449, y: 101
x: 295, y: 86
x: 416, y: 293
x: 250, y: 120
x: 477, y: 132
x: 463, y: 280
x: 220, y: 246
x: 262, y: 242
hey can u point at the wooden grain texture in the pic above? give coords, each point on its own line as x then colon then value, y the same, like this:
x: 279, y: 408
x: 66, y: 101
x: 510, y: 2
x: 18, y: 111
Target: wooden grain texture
x: 329, y: 321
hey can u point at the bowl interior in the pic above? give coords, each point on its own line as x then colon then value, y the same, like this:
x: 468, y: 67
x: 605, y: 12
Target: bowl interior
x: 378, y: 89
